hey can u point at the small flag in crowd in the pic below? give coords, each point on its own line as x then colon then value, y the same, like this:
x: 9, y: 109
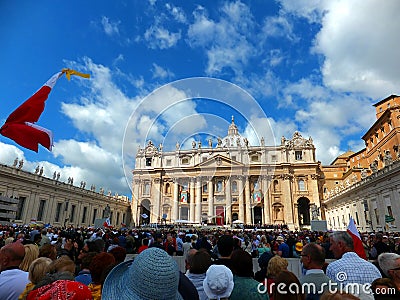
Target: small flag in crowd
x: 355, y: 235
x: 20, y: 125
x: 107, y: 223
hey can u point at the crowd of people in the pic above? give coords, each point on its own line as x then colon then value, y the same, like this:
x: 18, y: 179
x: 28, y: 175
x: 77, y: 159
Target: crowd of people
x: 138, y: 263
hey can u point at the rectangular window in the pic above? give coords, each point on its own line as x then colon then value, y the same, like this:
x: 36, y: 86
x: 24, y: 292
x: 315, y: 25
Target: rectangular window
x: 273, y: 158
x: 41, y: 210
x: 94, y: 215
x: 72, y: 216
x: 148, y: 161
x: 146, y: 188
x: 255, y: 158
x: 84, y: 214
x: 233, y: 157
x: 219, y: 186
x: 302, y: 186
x: 58, y: 212
x: 298, y: 155
x: 234, y: 199
x: 204, y: 199
x: 205, y: 188
x: 20, y: 209
x: 117, y: 220
x: 169, y: 162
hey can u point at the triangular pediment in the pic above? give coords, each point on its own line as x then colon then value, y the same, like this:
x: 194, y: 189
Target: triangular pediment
x: 219, y: 161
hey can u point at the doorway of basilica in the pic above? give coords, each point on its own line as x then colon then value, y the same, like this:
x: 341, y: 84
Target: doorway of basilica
x: 144, y: 212
x: 303, y: 207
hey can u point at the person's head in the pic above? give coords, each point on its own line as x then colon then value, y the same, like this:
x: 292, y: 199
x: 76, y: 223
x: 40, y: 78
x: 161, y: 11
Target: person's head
x: 312, y: 256
x: 225, y: 245
x: 153, y: 274
x: 199, y: 262
x: 62, y: 264
x: 280, y: 239
x: 87, y: 259
x: 31, y: 253
x: 390, y: 265
x: 48, y: 250
x: 287, y: 287
x: 189, y: 257
x: 242, y: 263
x: 119, y: 254
x: 38, y: 269
x: 11, y: 255
x: 145, y: 242
x: 264, y: 259
x: 381, y: 284
x: 341, y: 243
x: 218, y: 283
x: 276, y: 265
x: 101, y: 264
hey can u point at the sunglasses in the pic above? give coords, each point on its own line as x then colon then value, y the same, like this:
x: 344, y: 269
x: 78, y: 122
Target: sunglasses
x: 396, y: 269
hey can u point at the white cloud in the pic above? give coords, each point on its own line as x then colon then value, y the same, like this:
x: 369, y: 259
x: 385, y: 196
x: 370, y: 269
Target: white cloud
x: 110, y: 28
x: 329, y: 117
x: 278, y: 27
x: 159, y: 37
x: 226, y: 40
x: 356, y: 43
x: 159, y: 72
x: 177, y: 13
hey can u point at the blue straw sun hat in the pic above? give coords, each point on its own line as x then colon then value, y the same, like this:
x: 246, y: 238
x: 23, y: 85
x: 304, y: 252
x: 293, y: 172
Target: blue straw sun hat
x: 152, y: 275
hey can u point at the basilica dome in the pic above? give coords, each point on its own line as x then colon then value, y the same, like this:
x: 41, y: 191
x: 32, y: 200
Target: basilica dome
x: 234, y: 139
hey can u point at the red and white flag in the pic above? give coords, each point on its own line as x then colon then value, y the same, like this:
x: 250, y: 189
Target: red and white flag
x: 20, y: 126
x: 107, y: 223
x: 355, y: 235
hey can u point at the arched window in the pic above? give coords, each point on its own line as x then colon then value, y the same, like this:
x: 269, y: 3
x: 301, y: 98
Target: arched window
x: 234, y: 187
x: 167, y: 188
x: 219, y: 186
x: 276, y: 186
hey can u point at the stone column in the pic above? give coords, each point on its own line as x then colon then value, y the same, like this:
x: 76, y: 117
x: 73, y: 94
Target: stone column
x: 228, y: 207
x: 197, y: 218
x: 175, y: 205
x: 266, y: 183
x: 241, y: 198
x: 192, y: 182
x: 288, y: 201
x: 247, y: 199
x: 135, y: 201
x: 210, y: 199
x: 156, y: 195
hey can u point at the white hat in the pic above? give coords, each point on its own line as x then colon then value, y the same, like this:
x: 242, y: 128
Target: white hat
x: 279, y: 238
x: 218, y: 282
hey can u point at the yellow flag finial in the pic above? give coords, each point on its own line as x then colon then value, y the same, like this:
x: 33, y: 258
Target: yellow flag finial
x: 69, y: 72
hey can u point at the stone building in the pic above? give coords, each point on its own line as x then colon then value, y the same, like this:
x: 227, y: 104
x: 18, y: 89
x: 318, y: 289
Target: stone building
x: 27, y: 197
x: 228, y: 180
x: 365, y: 184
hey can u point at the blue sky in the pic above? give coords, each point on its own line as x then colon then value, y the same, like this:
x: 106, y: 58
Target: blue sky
x: 312, y: 66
